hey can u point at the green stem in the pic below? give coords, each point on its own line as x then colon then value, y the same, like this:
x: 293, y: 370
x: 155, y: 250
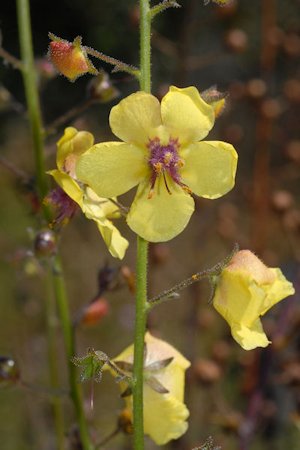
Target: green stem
x: 140, y: 327
x: 52, y: 361
x: 68, y: 334
x: 34, y: 111
x: 142, y: 253
x: 31, y: 92
x: 145, y: 45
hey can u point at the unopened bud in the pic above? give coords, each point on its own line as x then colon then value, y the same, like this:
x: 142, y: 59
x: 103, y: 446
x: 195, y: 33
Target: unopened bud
x: 70, y: 58
x: 125, y: 421
x: 9, y: 372
x: 215, y: 98
x: 45, y: 243
x: 101, y: 88
x: 94, y: 312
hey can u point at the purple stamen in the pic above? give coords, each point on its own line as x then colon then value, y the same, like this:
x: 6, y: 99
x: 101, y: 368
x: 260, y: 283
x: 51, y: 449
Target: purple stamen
x: 165, y: 159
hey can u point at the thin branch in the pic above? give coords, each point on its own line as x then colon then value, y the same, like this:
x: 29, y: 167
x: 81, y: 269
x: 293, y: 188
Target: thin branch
x: 165, y: 4
x: 15, y: 62
x: 171, y: 293
x: 119, y: 66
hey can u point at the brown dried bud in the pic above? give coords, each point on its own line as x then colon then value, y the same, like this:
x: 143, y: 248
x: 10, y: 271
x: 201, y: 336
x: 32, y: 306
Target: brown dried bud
x: 45, y: 243
x: 9, y: 371
x: 125, y: 421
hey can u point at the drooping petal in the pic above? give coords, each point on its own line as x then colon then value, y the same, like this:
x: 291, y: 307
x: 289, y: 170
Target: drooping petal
x: 71, y: 145
x: 164, y: 417
x: 186, y: 114
x: 250, y: 338
x: 133, y: 119
x: 278, y: 290
x: 112, y: 168
x: 163, y: 216
x: 209, y: 168
x: 71, y: 188
x: 115, y: 242
x: 94, y: 208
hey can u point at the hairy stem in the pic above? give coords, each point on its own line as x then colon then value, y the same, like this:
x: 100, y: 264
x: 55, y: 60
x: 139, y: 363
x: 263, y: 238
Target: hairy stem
x: 140, y: 327
x: 142, y: 254
x: 34, y: 111
x: 62, y: 302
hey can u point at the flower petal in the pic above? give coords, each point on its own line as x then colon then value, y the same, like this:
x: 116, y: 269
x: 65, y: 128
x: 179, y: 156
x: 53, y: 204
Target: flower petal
x: 186, y: 114
x: 95, y: 208
x: 164, y: 414
x: 250, y: 338
x: 164, y: 417
x: 112, y: 168
x: 163, y: 216
x: 71, y: 188
x: 209, y: 168
x: 72, y: 144
x: 134, y: 117
x: 277, y: 291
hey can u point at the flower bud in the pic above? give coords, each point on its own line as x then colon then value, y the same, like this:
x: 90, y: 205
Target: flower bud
x: 101, y: 88
x: 215, y: 99
x: 94, y: 312
x: 70, y: 58
x: 125, y: 421
x: 9, y: 371
x: 45, y: 243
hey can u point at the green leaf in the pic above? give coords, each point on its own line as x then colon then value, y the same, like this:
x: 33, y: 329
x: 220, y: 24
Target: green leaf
x: 91, y: 365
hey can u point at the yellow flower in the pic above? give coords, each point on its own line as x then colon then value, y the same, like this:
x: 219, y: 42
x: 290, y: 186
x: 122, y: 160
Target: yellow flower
x: 165, y: 413
x: 247, y: 289
x: 162, y: 155
x: 73, y: 144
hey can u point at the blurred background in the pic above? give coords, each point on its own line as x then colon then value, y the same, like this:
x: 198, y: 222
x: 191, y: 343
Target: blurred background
x: 251, y: 50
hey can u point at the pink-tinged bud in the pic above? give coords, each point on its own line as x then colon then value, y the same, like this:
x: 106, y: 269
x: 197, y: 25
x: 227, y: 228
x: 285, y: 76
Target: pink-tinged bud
x: 215, y: 99
x: 95, y: 312
x: 70, y: 58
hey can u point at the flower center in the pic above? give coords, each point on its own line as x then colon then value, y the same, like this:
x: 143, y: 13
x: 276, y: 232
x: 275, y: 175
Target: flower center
x: 165, y: 159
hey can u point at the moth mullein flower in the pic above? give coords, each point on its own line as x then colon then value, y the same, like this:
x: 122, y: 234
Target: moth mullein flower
x: 246, y: 290
x: 161, y: 153
x: 73, y: 144
x: 69, y: 58
x: 165, y: 414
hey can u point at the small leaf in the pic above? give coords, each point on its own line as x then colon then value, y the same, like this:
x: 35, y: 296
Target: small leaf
x: 154, y: 384
x: 157, y: 365
x: 91, y: 365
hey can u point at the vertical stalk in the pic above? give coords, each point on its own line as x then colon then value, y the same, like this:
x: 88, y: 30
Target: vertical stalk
x: 139, y: 333
x: 52, y: 361
x: 142, y: 253
x: 33, y: 104
x: 68, y: 334
x: 145, y: 46
x: 34, y: 111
